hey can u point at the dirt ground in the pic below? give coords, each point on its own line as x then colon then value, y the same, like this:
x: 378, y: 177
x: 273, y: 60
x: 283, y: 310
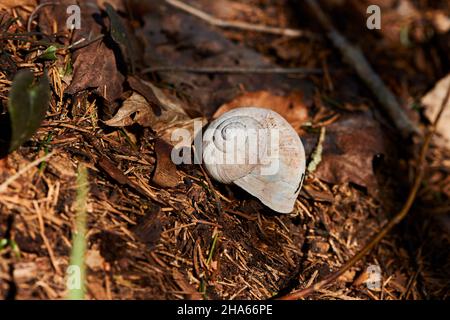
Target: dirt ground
x: 159, y: 232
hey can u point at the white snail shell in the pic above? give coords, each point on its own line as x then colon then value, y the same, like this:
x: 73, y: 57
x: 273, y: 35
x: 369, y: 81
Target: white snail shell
x: 258, y: 150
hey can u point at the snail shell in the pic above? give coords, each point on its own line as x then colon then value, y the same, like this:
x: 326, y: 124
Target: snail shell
x: 258, y: 150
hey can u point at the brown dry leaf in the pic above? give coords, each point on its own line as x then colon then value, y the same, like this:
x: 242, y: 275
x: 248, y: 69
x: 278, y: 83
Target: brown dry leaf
x: 135, y: 109
x: 351, y: 143
x: 95, y: 66
x: 138, y: 109
x: 291, y: 107
x: 145, y: 90
x: 433, y: 101
x: 168, y: 116
x: 166, y: 174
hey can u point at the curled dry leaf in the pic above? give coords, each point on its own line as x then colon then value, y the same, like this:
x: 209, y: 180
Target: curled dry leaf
x: 135, y: 109
x: 145, y: 90
x: 432, y: 102
x: 291, y: 107
x: 162, y: 112
x: 138, y: 110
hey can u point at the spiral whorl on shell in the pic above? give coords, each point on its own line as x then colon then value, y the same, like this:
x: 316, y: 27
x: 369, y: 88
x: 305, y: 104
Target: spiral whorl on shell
x: 258, y: 150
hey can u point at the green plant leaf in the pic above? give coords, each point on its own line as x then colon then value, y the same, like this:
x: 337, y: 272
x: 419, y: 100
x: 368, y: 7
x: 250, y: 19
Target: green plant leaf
x: 27, y: 105
x: 49, y: 54
x: 3, y: 243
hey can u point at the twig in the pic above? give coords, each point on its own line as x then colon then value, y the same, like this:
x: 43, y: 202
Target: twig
x: 356, y: 59
x: 388, y: 227
x: 316, y: 156
x: 14, y: 177
x: 255, y: 70
x: 237, y: 24
x: 84, y: 42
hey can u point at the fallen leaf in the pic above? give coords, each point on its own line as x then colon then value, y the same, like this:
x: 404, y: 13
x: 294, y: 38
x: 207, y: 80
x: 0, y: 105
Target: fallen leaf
x: 144, y: 90
x: 27, y: 106
x: 95, y: 65
x: 291, y: 107
x: 166, y: 174
x: 135, y: 109
x: 350, y: 145
x: 433, y: 101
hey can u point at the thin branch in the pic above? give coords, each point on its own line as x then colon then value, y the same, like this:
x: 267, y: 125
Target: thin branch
x: 255, y: 70
x: 84, y: 42
x: 389, y: 226
x: 316, y: 156
x: 238, y: 24
x: 357, y: 60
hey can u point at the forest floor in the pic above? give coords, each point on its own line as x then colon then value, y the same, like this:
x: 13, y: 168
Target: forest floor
x: 156, y: 231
